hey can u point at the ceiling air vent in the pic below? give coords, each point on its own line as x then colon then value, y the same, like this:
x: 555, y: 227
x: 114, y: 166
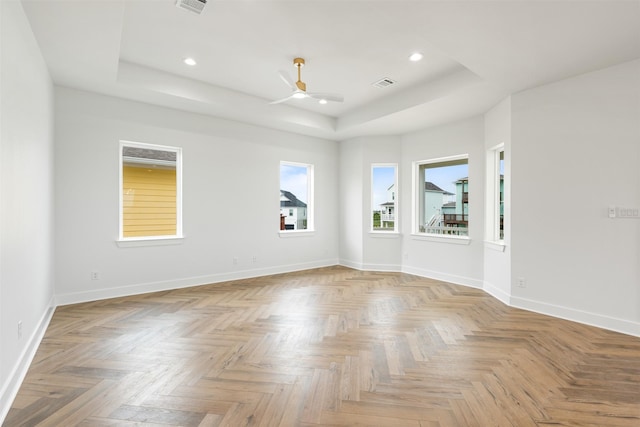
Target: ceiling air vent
x: 194, y: 6
x: 383, y: 82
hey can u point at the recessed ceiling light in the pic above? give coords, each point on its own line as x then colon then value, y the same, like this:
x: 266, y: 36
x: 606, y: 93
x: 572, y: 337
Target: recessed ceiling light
x: 323, y: 101
x: 190, y: 61
x: 415, y: 57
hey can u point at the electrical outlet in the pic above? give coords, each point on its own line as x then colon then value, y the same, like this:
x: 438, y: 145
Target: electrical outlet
x: 95, y: 275
x: 522, y: 283
x: 255, y: 259
x: 19, y: 329
x: 235, y: 260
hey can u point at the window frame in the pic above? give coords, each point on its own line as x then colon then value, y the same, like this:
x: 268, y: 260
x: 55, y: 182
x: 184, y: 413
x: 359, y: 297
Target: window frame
x: 492, y: 199
x: 417, y: 201
x: 310, y: 209
x: 143, y: 240
x: 395, y: 229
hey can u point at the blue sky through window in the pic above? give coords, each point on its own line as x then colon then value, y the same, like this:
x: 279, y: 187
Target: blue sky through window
x: 383, y: 177
x: 294, y: 179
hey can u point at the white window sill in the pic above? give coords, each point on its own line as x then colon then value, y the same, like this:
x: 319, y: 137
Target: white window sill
x: 296, y: 233
x: 455, y: 240
x: 384, y: 234
x: 149, y: 241
x: 496, y: 246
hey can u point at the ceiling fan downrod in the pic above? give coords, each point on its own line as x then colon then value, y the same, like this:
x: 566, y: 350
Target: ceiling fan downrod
x: 299, y: 63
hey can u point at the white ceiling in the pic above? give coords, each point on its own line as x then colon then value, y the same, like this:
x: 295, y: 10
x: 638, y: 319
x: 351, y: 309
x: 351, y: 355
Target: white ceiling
x: 475, y: 54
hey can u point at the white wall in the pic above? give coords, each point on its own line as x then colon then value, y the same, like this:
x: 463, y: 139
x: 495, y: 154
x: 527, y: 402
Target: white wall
x: 567, y: 143
x: 575, y: 151
x: 26, y: 198
x: 444, y: 260
x: 497, y: 258
x: 359, y: 247
x: 224, y: 164
x: 381, y: 251
x: 351, y: 203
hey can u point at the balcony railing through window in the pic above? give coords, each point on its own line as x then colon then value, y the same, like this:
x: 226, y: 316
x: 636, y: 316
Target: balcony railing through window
x: 455, y: 218
x: 387, y: 217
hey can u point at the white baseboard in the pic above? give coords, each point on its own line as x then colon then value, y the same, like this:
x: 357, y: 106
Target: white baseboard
x: 351, y: 264
x: 165, y: 285
x: 10, y: 388
x: 445, y: 277
x: 593, y: 319
x: 392, y: 268
x: 499, y: 294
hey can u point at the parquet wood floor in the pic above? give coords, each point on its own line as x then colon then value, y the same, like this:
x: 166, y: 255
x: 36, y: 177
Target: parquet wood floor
x: 330, y: 347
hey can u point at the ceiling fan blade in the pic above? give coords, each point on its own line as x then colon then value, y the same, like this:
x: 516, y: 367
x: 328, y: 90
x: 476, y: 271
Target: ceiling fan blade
x: 327, y: 96
x: 282, y: 100
x: 286, y: 78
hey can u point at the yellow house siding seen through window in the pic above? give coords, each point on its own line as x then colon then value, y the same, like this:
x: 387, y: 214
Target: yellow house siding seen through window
x: 148, y: 201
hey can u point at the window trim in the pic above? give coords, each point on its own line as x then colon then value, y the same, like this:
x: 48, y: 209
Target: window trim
x: 417, y: 199
x: 395, y: 199
x: 310, y: 197
x: 149, y: 240
x: 442, y: 238
x: 492, y: 199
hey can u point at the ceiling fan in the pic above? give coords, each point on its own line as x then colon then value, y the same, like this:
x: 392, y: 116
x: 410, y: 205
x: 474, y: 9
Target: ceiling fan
x: 299, y: 88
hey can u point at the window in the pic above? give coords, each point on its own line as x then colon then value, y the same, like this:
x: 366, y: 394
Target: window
x: 441, y: 196
x: 495, y: 194
x: 150, y: 191
x: 384, y: 215
x: 296, y: 196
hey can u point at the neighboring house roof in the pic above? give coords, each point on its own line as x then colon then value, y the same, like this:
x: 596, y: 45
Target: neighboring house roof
x: 449, y: 205
x: 430, y: 186
x: 387, y: 204
x: 289, y: 200
x: 466, y: 178
x: 145, y: 153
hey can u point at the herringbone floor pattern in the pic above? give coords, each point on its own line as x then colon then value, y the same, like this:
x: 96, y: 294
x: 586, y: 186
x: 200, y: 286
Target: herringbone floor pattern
x: 330, y: 346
